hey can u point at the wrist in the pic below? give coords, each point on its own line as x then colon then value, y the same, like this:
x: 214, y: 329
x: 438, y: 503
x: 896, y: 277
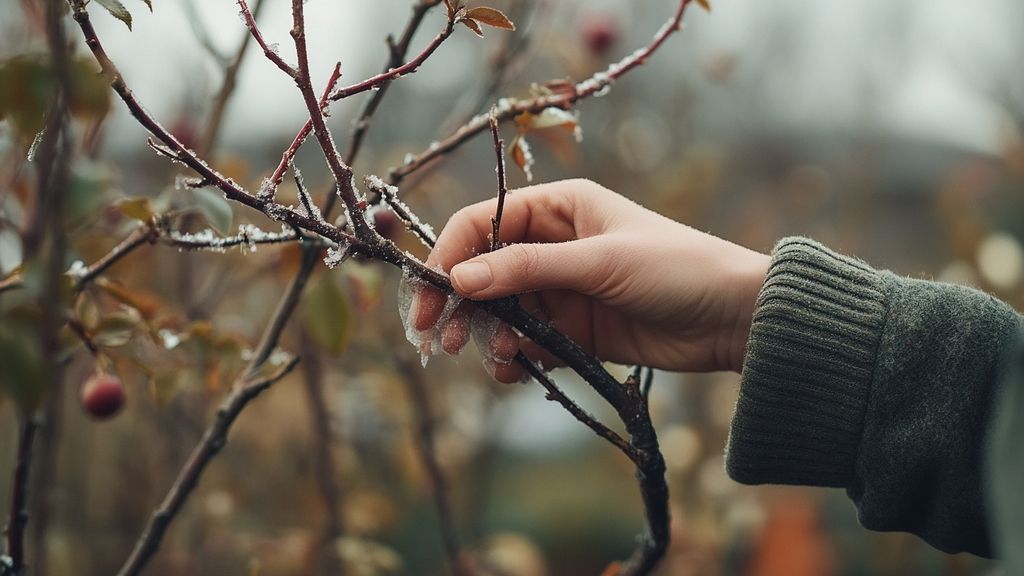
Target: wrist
x: 748, y: 277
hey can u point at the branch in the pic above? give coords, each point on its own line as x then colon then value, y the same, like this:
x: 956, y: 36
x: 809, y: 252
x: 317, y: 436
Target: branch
x: 289, y: 154
x: 409, y: 67
x: 339, y: 169
x: 425, y: 443
x: 231, y: 68
x: 389, y: 194
x: 244, y: 391
x: 555, y: 394
x: 269, y: 51
x: 508, y: 108
x: 499, y: 151
x: 248, y: 236
x: 19, y: 496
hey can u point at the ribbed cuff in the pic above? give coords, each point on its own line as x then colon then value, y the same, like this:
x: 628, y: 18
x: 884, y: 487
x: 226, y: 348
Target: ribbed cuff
x: 808, y: 369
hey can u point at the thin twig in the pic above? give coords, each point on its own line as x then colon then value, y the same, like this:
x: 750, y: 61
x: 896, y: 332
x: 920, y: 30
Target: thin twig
x: 214, y: 438
x: 270, y: 51
x: 510, y: 108
x: 215, y: 119
x: 499, y: 151
x: 289, y: 154
x: 555, y: 394
x: 426, y: 447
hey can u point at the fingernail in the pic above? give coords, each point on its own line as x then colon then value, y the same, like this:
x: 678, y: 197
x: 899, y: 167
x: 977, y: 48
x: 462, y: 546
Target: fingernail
x: 470, y: 277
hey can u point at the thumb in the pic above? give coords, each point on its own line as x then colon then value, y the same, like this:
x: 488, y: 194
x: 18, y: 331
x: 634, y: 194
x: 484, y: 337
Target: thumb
x: 522, y: 268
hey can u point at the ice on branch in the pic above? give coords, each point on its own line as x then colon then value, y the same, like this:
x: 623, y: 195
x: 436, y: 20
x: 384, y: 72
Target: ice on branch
x: 427, y: 342
x: 336, y: 255
x: 78, y: 270
x: 247, y: 239
x: 483, y: 327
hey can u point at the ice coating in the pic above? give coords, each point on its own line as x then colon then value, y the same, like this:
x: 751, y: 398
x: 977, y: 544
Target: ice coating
x: 483, y: 328
x: 427, y: 342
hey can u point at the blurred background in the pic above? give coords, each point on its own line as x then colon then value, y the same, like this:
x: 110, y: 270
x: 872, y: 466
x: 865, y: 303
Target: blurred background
x: 888, y: 129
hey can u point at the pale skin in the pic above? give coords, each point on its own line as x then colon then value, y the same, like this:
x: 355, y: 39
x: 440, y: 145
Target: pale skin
x: 629, y: 285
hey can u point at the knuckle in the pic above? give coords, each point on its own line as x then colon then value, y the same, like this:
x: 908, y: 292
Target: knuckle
x: 523, y: 260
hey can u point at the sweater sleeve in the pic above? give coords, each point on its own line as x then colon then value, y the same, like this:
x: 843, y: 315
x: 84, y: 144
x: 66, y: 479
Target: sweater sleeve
x: 882, y: 385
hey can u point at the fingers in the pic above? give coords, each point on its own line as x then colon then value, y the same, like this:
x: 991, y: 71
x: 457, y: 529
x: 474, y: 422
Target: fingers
x: 519, y: 268
x: 551, y: 212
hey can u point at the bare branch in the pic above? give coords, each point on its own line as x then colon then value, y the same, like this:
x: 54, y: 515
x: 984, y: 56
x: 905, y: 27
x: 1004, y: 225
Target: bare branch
x: 510, y: 108
x: 19, y: 496
x: 499, y: 151
x: 215, y: 119
x: 409, y: 67
x: 270, y: 51
x: 246, y: 389
x: 390, y: 196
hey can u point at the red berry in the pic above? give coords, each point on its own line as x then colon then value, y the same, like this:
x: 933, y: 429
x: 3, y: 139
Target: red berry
x: 103, y: 396
x: 386, y: 223
x: 600, y: 32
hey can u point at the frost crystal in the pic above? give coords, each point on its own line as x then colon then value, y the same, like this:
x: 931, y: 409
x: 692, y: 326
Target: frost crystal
x: 266, y: 190
x: 427, y: 342
x: 483, y: 326
x: 335, y: 256
x: 528, y: 160
x: 169, y: 339
x: 78, y: 270
x: 31, y: 156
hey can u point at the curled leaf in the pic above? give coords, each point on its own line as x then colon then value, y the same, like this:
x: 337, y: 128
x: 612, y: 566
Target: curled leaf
x: 117, y: 10
x: 523, y: 157
x: 474, y: 26
x: 491, y: 17
x: 705, y: 4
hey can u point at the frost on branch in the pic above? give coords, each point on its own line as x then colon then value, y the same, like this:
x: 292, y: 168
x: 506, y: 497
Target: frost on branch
x: 427, y: 342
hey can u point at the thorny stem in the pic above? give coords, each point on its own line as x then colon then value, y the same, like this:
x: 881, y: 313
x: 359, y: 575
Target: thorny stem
x: 499, y: 151
x: 426, y: 447
x: 246, y: 389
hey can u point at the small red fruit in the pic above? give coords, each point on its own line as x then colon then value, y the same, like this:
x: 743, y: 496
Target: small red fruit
x: 600, y: 32
x: 386, y: 223
x: 102, y: 396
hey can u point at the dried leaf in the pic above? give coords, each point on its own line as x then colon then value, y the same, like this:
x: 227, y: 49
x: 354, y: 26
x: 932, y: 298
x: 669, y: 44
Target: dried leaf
x: 474, y: 26
x: 117, y: 10
x: 137, y: 208
x: 451, y: 5
x: 149, y: 4
x: 491, y: 17
x: 523, y: 157
x: 147, y: 303
x: 705, y: 4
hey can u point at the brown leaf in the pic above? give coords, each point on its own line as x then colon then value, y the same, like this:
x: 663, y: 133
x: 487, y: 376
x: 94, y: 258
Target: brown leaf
x: 491, y: 17
x: 474, y: 26
x: 522, y: 156
x: 705, y: 4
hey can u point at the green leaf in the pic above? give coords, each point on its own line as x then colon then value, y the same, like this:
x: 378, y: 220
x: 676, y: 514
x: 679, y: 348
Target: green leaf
x: 214, y: 207
x: 117, y: 10
x: 327, y: 314
x: 137, y: 208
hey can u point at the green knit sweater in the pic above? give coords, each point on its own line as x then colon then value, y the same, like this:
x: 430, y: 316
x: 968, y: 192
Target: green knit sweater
x: 876, y: 383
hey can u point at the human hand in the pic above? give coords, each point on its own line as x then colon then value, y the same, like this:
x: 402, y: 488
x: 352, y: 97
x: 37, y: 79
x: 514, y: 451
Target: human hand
x: 627, y: 284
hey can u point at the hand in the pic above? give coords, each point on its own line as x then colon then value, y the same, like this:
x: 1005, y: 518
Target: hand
x: 627, y: 284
